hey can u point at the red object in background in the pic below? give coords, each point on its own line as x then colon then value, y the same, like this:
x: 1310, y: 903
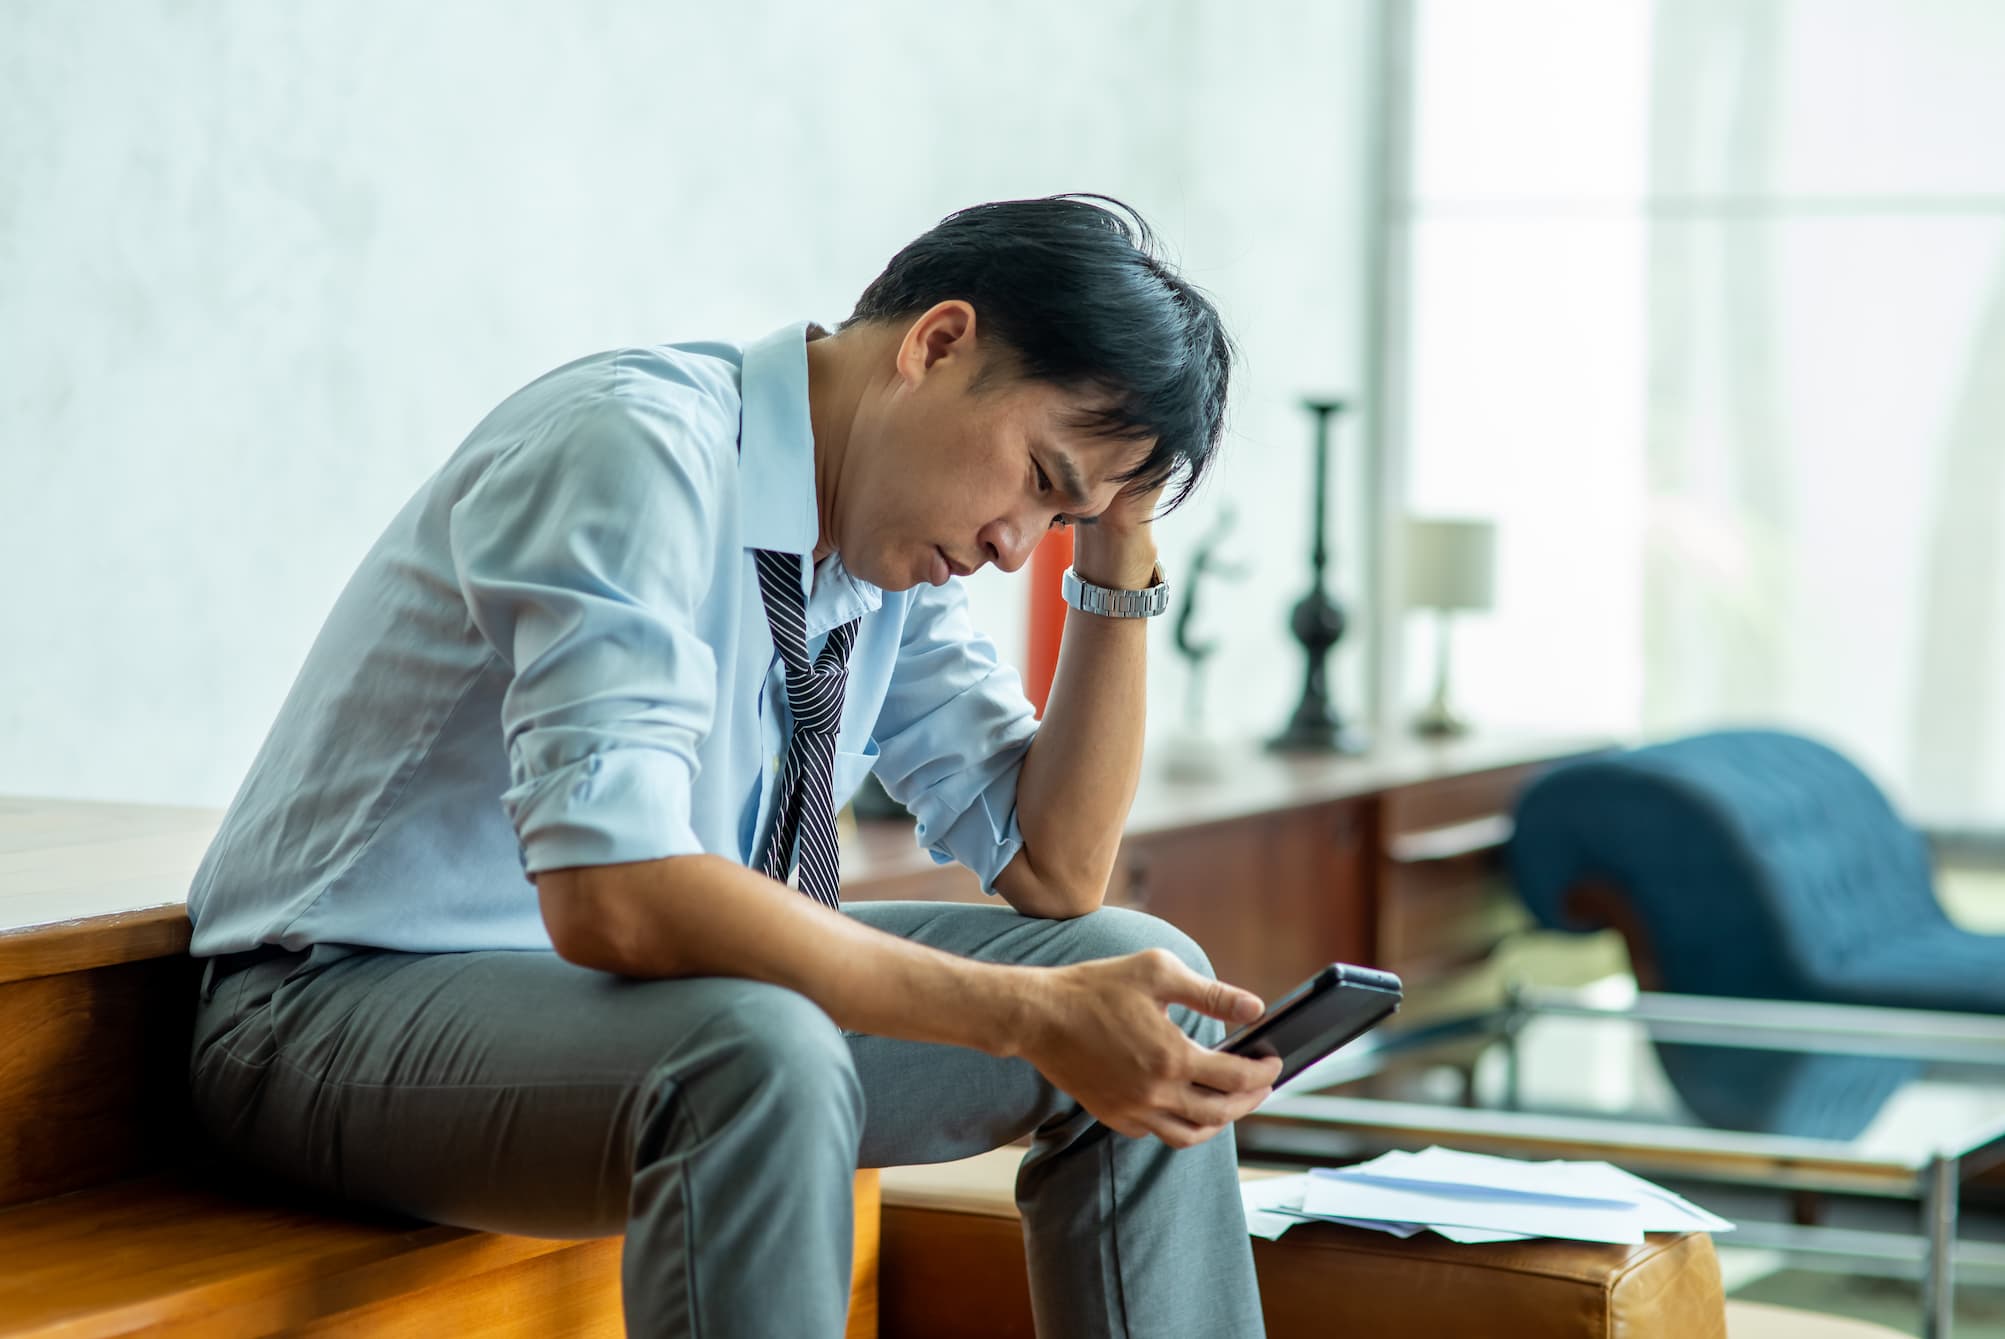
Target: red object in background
x: 1048, y: 562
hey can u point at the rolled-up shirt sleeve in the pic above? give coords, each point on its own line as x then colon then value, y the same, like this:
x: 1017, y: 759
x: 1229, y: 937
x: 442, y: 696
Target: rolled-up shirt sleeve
x: 581, y: 553
x: 953, y: 733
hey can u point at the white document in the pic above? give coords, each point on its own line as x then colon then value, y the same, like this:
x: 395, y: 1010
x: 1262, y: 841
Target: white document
x: 1663, y: 1211
x: 1401, y: 1230
x: 1333, y: 1193
x: 1473, y: 1197
x: 1478, y: 1174
x: 1585, y: 1182
x: 1268, y: 1226
x: 1273, y: 1204
x: 1476, y: 1236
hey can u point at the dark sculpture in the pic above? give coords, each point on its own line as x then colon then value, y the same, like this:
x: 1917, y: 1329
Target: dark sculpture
x: 1318, y: 622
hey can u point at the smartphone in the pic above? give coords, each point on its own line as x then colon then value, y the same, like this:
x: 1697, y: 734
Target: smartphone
x: 1336, y: 1006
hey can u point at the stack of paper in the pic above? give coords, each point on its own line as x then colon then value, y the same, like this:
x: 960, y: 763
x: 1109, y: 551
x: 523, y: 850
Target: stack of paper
x: 1471, y: 1197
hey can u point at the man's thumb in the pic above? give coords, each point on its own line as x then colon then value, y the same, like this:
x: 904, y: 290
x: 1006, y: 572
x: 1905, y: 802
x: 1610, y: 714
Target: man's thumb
x: 1228, y: 1004
x: 1242, y: 1006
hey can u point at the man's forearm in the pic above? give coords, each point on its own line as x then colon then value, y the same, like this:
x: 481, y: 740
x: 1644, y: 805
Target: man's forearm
x: 1079, y: 777
x: 702, y: 915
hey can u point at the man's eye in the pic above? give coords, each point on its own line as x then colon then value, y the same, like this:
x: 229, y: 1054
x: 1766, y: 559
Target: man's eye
x: 1043, y: 479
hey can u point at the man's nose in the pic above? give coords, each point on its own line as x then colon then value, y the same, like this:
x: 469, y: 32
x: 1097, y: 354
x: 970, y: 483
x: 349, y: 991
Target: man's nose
x: 1007, y: 545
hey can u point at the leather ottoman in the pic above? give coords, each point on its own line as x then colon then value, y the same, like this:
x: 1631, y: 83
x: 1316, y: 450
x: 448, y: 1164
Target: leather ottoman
x: 951, y: 1264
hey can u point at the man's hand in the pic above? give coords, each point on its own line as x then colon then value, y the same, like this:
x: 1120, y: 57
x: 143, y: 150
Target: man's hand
x: 1099, y: 1032
x: 1118, y: 548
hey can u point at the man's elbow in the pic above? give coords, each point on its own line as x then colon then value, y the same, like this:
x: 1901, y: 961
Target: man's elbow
x: 582, y: 913
x: 1051, y: 894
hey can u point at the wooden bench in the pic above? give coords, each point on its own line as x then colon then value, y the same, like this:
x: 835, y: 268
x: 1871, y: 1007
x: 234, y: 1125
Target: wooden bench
x: 111, y: 1223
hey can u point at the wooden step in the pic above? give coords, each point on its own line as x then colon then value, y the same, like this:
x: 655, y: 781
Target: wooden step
x: 114, y: 1230
x: 166, y: 1256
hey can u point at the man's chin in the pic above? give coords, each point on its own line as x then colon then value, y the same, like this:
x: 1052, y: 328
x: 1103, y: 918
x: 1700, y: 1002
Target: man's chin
x: 883, y: 575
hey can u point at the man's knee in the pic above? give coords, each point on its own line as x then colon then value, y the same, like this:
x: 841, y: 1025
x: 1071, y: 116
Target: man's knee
x: 766, y: 1054
x: 1112, y: 931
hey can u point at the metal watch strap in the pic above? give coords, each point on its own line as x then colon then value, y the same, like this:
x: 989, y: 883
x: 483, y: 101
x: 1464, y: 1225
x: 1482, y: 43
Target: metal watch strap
x: 1109, y: 602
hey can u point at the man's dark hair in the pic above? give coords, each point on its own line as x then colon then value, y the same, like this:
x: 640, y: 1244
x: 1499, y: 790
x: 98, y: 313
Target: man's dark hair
x: 1078, y: 296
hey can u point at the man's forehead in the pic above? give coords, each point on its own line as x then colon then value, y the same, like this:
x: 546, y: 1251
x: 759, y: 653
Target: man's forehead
x: 1082, y: 461
x: 1087, y: 464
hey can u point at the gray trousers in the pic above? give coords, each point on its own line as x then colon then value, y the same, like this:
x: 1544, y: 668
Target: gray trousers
x: 716, y: 1122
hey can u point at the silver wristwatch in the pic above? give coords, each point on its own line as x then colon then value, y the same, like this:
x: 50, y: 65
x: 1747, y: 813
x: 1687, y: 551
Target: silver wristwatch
x: 1108, y: 602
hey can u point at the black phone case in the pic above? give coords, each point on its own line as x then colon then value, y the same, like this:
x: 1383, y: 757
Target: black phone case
x: 1331, y: 1009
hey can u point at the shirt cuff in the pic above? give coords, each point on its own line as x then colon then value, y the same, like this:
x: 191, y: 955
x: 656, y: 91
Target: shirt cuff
x: 604, y: 809
x: 981, y: 834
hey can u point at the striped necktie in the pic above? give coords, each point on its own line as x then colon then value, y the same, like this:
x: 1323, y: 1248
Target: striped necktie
x: 804, y: 811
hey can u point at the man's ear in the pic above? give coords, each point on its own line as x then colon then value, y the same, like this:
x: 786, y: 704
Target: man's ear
x: 940, y: 335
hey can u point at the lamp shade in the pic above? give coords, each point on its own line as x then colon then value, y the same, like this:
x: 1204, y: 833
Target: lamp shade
x: 1450, y: 564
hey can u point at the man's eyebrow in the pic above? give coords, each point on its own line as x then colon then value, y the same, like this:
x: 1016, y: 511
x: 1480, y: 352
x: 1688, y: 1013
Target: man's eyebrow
x: 1070, y: 481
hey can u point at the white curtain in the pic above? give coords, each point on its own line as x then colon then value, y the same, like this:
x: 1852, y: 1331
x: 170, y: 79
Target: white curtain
x: 1708, y: 312
x: 1824, y: 391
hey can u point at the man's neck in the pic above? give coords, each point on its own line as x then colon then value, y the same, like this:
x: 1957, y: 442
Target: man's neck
x: 831, y: 405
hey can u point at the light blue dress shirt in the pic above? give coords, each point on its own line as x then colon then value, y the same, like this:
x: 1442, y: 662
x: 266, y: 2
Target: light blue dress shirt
x: 556, y: 655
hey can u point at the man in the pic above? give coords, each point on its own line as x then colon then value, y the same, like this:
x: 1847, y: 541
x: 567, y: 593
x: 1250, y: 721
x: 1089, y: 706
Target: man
x: 598, y: 689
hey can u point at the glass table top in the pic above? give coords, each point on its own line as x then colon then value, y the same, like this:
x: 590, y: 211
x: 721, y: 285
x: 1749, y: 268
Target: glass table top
x: 1824, y: 1096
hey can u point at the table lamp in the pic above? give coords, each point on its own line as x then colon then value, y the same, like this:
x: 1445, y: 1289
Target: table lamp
x: 1450, y: 568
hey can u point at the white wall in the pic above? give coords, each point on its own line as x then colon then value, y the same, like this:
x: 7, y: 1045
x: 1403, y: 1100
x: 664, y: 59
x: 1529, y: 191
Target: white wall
x: 261, y: 266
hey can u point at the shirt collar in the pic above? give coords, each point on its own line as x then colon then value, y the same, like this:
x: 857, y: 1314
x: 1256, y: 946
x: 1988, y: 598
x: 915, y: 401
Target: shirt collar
x: 776, y: 445
x: 776, y: 474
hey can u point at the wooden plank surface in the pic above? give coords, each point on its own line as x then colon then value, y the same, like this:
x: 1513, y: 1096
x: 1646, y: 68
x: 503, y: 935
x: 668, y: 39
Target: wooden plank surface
x: 185, y: 1253
x: 85, y: 885
x: 162, y: 1255
x: 98, y: 941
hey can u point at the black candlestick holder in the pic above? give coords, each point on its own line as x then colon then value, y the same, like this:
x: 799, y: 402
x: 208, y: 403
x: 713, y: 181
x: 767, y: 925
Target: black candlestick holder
x: 1318, y: 623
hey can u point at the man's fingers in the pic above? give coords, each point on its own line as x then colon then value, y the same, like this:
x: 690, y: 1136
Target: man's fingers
x: 1132, y: 1129
x: 1228, y: 1004
x: 1230, y: 1073
x: 1201, y: 1106
x: 1204, y: 1106
x: 1177, y: 1132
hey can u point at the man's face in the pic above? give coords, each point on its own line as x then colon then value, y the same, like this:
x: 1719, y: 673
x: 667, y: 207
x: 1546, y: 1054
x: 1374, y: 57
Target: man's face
x: 942, y: 478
